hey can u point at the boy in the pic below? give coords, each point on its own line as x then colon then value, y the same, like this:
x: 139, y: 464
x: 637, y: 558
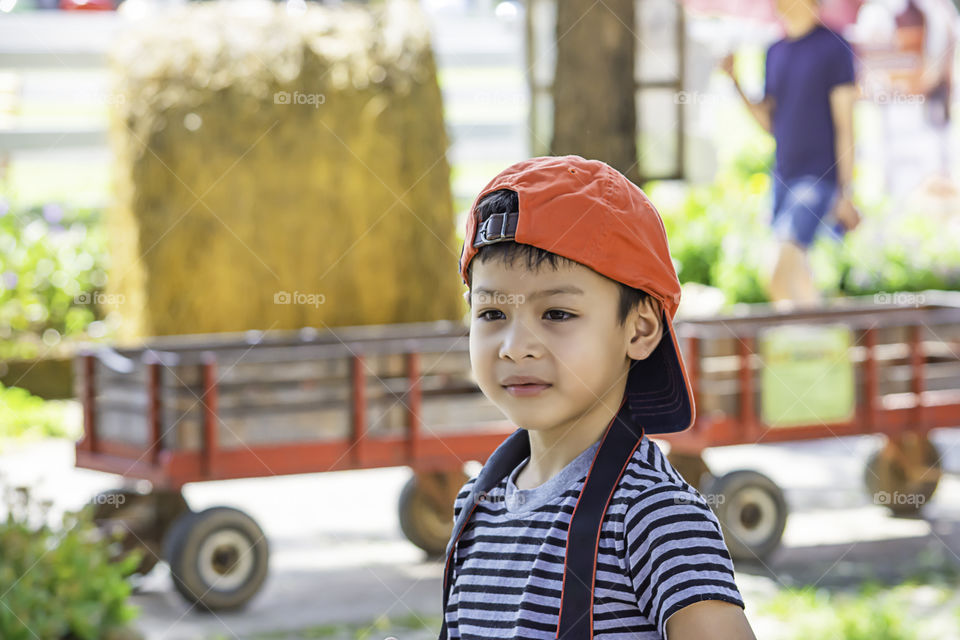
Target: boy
x: 577, y: 527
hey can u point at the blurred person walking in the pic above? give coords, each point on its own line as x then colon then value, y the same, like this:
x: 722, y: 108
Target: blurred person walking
x: 808, y: 98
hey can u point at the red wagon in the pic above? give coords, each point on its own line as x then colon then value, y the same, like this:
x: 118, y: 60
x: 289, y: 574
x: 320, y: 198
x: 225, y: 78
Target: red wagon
x: 211, y: 407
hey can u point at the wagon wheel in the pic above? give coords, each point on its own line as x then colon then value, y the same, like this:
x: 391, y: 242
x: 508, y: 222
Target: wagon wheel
x: 426, y: 509
x: 752, y: 513
x: 692, y: 467
x: 141, y: 519
x: 904, y: 474
x: 218, y: 557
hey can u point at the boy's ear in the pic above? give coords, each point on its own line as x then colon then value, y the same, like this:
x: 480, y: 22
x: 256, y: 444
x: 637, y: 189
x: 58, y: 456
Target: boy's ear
x: 646, y: 328
x: 466, y: 296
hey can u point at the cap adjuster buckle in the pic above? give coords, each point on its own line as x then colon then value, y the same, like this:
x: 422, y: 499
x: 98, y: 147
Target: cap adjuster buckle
x: 484, y: 237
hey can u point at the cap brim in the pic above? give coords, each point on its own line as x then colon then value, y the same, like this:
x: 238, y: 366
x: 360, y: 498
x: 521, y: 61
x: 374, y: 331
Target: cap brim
x: 658, y: 390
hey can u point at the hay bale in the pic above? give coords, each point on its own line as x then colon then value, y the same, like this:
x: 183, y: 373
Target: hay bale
x: 280, y: 170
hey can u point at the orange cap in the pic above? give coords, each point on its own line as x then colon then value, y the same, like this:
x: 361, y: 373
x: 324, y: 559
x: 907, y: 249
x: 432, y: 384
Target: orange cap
x: 589, y: 212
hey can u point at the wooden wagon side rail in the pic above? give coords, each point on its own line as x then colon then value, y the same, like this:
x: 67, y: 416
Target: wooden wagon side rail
x: 210, y: 453
x: 892, y: 414
x: 172, y: 468
x: 191, y: 347
x: 89, y: 442
x: 941, y: 409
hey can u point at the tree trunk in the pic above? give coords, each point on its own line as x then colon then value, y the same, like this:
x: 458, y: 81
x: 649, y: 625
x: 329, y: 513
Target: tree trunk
x: 593, y: 90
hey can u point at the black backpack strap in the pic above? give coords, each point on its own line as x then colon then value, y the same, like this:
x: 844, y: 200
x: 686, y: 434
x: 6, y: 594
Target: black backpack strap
x: 619, y: 443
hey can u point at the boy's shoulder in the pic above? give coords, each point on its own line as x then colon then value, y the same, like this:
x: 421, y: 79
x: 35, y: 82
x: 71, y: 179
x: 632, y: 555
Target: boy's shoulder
x: 651, y: 484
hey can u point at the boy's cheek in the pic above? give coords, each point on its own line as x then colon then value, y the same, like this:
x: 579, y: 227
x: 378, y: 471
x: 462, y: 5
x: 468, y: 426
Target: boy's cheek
x: 578, y: 370
x: 478, y: 363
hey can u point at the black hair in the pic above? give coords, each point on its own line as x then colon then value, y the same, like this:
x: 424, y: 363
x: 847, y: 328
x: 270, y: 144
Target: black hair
x: 504, y: 201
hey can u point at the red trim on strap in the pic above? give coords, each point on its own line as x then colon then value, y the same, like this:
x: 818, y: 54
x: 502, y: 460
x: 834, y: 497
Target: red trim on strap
x: 593, y: 582
x: 592, y: 462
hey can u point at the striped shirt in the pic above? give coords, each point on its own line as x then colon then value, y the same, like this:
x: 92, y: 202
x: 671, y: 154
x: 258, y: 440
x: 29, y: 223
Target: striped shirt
x: 660, y: 549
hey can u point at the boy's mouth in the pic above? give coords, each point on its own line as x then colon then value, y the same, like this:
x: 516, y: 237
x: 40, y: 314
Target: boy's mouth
x: 522, y: 386
x: 523, y: 390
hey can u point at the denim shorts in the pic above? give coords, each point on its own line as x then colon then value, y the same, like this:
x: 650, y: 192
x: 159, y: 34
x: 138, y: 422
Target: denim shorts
x: 801, y: 207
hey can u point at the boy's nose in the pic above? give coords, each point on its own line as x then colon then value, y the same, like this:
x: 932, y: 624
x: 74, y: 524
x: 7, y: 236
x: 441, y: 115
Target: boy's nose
x: 520, y: 340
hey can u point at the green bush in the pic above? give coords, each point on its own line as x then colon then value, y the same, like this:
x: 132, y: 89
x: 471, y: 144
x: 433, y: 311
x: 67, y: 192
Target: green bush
x: 716, y: 230
x: 59, y: 583
x: 52, y: 265
x: 892, y: 251
x: 23, y: 415
x: 869, y: 614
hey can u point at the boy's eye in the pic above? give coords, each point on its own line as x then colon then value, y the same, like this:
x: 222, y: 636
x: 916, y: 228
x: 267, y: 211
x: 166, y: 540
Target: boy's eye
x: 483, y: 314
x: 566, y: 314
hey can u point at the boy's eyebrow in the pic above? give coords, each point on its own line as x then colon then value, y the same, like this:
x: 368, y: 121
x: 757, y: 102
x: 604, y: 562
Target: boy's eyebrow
x: 545, y: 293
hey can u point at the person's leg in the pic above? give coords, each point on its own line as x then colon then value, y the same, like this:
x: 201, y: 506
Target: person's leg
x: 779, y: 286
x: 805, y: 289
x: 791, y: 283
x: 799, y: 205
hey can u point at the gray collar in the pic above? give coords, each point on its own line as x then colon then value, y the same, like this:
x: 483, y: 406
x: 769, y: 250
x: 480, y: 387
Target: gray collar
x: 526, y: 500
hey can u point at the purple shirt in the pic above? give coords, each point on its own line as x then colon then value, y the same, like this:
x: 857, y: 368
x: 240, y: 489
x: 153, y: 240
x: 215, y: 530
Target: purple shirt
x: 799, y: 76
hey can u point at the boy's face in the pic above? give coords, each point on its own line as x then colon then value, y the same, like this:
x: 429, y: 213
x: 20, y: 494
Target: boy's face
x: 560, y: 327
